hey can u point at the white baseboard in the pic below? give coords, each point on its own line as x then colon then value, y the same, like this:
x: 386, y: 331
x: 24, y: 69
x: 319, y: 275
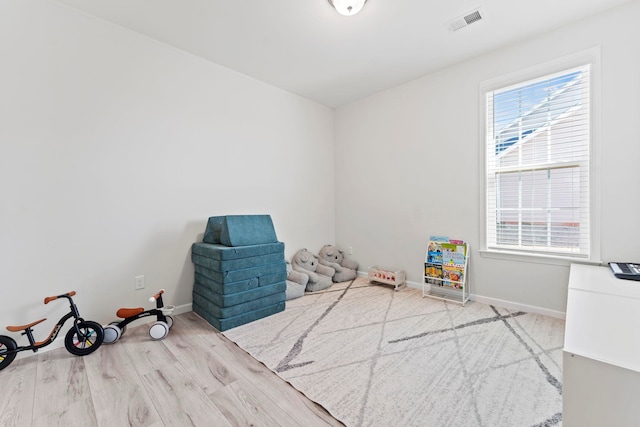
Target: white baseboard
x: 518, y: 306
x: 498, y: 302
x: 184, y: 308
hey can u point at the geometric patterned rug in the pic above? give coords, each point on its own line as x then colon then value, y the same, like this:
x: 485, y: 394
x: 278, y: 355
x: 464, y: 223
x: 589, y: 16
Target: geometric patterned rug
x: 373, y: 356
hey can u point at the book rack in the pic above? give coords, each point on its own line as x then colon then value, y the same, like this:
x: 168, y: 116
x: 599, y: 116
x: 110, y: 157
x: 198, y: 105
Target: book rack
x: 446, y: 270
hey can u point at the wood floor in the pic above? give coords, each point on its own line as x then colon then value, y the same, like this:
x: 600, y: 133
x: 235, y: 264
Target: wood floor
x: 194, y: 377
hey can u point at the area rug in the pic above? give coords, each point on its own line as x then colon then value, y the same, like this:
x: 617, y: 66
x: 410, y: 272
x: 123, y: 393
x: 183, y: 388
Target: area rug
x: 373, y: 356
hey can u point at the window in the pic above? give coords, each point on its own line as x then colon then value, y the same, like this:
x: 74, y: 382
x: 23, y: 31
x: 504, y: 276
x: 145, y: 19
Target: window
x: 537, y: 165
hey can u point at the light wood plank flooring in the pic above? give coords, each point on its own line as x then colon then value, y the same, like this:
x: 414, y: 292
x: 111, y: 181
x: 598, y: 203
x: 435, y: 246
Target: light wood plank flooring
x: 194, y: 377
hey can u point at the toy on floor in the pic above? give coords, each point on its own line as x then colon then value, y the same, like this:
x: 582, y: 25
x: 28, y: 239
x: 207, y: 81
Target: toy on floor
x: 158, y: 330
x: 296, y: 283
x: 346, y: 267
x: 389, y: 277
x: 320, y: 275
x: 83, y: 338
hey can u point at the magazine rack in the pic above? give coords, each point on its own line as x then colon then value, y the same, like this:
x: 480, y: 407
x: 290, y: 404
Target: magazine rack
x: 446, y: 270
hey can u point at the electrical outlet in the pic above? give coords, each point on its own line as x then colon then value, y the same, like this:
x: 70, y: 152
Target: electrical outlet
x: 350, y: 250
x: 139, y: 282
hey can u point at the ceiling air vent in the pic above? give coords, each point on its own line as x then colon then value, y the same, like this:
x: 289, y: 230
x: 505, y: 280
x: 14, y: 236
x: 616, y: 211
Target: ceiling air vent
x: 466, y: 20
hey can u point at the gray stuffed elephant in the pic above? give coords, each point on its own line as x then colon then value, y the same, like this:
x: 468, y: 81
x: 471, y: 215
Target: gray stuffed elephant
x: 296, y: 283
x: 320, y: 275
x: 346, y: 267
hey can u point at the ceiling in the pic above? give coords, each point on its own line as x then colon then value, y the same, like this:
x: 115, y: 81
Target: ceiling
x: 307, y: 48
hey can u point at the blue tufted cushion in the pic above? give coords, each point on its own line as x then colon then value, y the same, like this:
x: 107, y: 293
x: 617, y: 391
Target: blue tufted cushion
x: 241, y: 285
x: 243, y: 274
x: 227, y: 300
x: 235, y: 310
x: 225, y: 253
x: 222, y: 324
x: 240, y: 230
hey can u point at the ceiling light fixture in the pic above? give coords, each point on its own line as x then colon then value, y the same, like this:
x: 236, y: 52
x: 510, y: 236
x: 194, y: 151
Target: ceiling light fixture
x: 347, y: 7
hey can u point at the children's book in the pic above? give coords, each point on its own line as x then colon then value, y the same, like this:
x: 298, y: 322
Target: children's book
x: 452, y: 258
x: 453, y: 276
x: 434, y: 253
x: 433, y: 272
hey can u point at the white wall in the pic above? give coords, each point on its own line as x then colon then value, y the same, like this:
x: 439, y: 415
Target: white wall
x: 114, y: 151
x: 407, y: 162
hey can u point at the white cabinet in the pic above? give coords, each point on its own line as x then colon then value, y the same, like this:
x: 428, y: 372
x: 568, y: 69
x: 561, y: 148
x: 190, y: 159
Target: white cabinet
x: 601, y: 361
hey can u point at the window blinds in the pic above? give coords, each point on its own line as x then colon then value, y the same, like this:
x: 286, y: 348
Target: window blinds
x: 537, y: 165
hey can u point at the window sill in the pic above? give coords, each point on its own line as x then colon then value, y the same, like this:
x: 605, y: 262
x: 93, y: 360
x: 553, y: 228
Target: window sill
x: 535, y: 258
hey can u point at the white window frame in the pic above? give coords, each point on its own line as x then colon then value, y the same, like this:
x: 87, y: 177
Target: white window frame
x: 591, y: 57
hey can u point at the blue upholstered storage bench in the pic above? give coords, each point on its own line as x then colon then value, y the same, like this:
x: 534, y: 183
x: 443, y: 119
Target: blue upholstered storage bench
x: 240, y: 272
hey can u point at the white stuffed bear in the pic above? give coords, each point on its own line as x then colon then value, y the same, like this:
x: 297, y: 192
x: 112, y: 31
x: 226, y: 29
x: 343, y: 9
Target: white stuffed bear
x: 346, y: 268
x: 320, y: 275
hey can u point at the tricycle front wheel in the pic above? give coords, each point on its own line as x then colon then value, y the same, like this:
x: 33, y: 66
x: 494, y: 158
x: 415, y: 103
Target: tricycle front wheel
x: 159, y: 330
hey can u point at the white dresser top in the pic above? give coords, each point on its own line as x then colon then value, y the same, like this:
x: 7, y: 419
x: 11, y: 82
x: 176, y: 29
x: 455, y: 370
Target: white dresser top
x: 603, y: 317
